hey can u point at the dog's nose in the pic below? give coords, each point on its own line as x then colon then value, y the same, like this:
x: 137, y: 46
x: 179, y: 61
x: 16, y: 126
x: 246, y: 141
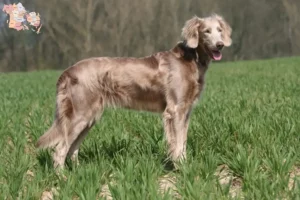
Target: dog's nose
x: 220, y: 45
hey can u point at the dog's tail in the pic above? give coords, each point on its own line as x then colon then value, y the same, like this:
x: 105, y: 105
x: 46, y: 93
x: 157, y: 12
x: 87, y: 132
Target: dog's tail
x: 64, y: 112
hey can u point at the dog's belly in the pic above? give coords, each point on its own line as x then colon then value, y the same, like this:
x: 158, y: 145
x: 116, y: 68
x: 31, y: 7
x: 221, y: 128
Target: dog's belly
x: 153, y: 101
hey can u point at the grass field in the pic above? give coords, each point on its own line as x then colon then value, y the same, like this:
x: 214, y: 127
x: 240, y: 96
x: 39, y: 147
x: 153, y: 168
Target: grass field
x: 243, y: 141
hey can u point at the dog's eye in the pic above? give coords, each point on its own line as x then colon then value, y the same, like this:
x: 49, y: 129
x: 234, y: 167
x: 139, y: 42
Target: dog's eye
x: 207, y: 31
x: 220, y: 30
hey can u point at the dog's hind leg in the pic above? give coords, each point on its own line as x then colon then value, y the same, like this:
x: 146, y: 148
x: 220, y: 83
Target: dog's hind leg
x: 74, y: 148
x: 71, y: 134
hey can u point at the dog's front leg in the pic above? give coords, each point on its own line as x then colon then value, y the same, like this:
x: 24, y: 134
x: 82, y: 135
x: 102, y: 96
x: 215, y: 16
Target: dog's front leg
x: 176, y: 121
x: 168, y: 117
x: 181, y: 122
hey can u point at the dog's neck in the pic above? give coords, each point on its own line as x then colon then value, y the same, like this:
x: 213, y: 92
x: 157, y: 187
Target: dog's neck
x: 198, y: 54
x: 203, y: 58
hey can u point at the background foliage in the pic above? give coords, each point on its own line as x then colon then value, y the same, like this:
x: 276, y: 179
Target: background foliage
x: 73, y: 30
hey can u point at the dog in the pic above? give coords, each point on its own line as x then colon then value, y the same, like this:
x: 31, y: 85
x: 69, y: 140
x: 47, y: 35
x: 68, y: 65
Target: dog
x: 168, y: 82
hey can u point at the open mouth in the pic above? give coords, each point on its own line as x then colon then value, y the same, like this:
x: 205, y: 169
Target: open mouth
x: 214, y: 54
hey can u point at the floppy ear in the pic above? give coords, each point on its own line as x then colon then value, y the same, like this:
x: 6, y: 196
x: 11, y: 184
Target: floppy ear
x: 226, y: 34
x: 190, y: 32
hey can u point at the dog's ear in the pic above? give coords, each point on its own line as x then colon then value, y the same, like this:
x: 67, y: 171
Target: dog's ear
x: 226, y: 33
x: 190, y: 32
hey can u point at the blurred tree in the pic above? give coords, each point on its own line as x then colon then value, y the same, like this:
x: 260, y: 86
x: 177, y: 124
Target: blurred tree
x: 77, y: 29
x: 292, y: 25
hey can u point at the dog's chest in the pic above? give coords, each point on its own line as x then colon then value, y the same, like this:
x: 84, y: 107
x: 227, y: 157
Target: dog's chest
x: 200, y: 82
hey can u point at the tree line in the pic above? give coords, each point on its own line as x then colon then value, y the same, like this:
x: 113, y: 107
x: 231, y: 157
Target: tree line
x: 77, y: 29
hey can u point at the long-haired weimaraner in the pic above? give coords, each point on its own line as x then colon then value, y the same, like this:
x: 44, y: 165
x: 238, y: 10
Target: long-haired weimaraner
x: 168, y: 82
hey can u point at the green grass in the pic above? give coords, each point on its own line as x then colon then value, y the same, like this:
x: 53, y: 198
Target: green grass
x: 247, y: 120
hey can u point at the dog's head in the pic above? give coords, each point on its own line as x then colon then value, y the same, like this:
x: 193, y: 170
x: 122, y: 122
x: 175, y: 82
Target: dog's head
x: 212, y: 33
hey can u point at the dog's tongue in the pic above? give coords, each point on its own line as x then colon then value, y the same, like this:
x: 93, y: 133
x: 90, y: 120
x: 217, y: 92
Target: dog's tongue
x: 217, y: 55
